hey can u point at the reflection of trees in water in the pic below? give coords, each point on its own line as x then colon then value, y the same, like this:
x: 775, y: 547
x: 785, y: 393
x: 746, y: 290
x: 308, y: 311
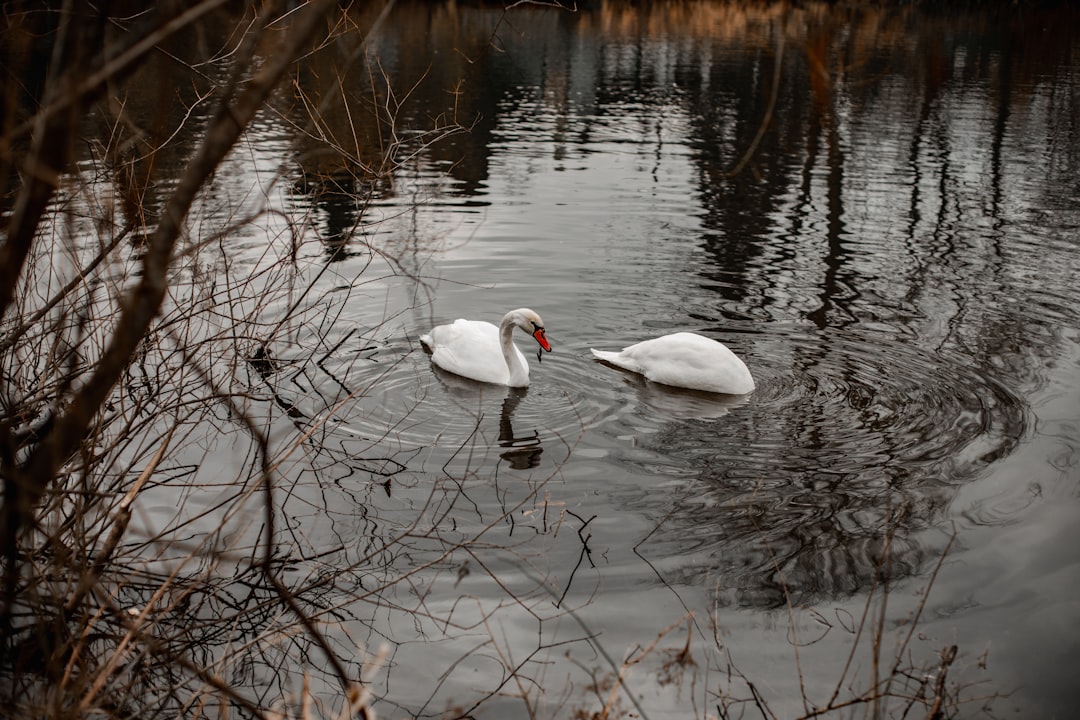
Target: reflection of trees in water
x: 862, y: 451
x: 876, y: 426
x: 340, y: 200
x: 808, y: 522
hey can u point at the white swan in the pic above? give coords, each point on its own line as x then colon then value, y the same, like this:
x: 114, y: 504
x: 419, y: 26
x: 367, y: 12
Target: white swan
x: 685, y: 360
x: 478, y: 350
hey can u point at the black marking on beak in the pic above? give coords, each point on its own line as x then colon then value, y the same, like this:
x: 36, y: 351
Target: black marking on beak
x: 540, y: 337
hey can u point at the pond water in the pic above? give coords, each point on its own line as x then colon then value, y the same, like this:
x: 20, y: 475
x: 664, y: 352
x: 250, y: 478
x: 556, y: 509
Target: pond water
x: 876, y: 209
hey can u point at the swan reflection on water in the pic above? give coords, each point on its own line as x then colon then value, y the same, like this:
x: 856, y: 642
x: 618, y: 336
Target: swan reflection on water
x: 678, y: 403
x: 522, y: 452
x: 682, y: 404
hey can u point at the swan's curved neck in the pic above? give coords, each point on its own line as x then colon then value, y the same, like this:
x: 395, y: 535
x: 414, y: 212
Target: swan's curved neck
x: 518, y: 371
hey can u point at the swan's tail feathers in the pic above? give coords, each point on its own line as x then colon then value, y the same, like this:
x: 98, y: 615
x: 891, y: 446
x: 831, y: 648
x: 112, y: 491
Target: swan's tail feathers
x: 618, y: 359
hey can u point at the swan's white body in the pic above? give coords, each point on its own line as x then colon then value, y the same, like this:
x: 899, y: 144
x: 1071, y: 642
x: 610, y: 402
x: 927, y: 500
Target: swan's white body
x: 481, y: 351
x: 685, y: 360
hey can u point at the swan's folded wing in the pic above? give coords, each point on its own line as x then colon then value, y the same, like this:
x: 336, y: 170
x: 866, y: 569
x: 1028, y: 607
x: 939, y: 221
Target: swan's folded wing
x: 469, y: 348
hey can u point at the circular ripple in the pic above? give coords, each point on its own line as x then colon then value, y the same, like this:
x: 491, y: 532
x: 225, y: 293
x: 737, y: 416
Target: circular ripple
x: 402, y: 400
x: 878, y: 398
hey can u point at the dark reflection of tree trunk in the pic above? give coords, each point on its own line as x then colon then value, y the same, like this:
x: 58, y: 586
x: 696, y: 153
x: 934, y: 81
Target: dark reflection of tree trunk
x: 341, y: 199
x: 522, y: 452
x: 831, y: 287
x: 997, y: 143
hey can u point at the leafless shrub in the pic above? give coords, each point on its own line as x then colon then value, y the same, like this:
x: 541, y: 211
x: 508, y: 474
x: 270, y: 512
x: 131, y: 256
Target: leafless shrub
x: 145, y: 570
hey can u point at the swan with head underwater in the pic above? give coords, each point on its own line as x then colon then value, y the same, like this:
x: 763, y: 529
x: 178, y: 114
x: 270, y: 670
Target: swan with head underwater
x: 478, y: 350
x: 684, y: 360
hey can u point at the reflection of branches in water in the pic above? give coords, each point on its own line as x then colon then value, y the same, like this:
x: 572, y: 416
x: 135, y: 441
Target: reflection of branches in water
x: 586, y: 552
x: 932, y: 266
x: 940, y: 285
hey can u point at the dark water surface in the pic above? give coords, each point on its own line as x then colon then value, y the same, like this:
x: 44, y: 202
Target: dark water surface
x: 876, y: 209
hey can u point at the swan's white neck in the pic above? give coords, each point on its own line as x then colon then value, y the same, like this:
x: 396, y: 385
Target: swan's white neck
x: 519, y: 373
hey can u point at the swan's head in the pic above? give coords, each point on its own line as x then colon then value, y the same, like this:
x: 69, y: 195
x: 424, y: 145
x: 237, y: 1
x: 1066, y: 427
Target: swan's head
x: 531, y: 323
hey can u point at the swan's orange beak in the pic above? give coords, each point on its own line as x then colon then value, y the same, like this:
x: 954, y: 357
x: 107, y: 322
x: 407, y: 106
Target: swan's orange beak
x: 541, y: 338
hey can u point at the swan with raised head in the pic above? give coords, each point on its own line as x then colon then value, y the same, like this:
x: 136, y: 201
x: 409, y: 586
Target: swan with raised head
x: 685, y: 360
x: 478, y: 350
